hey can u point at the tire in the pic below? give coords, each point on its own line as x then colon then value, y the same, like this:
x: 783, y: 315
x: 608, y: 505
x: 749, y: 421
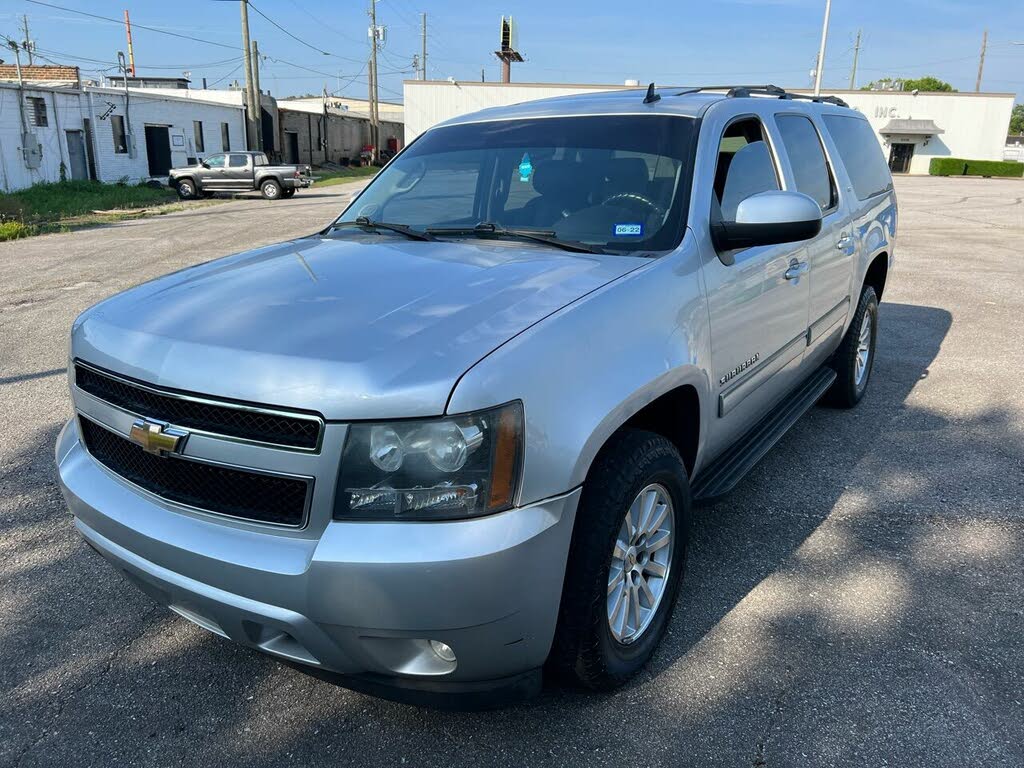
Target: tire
x: 186, y: 189
x: 271, y: 189
x: 855, y: 357
x: 286, y: 193
x: 586, y: 649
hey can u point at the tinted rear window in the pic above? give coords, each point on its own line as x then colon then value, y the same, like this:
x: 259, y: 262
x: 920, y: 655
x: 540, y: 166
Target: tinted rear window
x: 861, y: 154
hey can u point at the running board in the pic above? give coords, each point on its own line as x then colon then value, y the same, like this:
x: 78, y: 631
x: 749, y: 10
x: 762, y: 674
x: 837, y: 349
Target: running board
x: 726, y: 471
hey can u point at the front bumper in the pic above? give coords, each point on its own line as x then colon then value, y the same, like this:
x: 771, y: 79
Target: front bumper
x: 360, y: 600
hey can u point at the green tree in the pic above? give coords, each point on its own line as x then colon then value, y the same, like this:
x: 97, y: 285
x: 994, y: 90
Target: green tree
x: 926, y: 83
x: 1017, y: 120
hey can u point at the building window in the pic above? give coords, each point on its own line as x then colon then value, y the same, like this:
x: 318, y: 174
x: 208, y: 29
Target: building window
x: 37, y: 111
x: 225, y: 137
x: 120, y: 139
x: 197, y: 129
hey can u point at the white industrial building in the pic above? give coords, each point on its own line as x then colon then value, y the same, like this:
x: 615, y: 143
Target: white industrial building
x: 911, y: 127
x: 87, y: 133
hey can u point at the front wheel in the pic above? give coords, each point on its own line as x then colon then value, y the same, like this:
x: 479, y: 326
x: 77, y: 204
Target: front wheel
x: 187, y: 189
x: 626, y: 560
x: 855, y: 357
x: 271, y: 189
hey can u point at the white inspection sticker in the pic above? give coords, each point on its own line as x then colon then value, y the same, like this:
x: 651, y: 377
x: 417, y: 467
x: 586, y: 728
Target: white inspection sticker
x: 628, y: 230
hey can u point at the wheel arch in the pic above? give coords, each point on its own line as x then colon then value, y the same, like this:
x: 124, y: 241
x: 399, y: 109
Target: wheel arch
x: 675, y: 414
x: 877, y: 272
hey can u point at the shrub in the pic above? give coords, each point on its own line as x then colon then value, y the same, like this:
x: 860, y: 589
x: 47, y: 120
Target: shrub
x: 955, y: 166
x: 12, y: 230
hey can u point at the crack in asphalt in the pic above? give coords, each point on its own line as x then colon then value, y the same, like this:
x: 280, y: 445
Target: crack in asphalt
x: 86, y: 684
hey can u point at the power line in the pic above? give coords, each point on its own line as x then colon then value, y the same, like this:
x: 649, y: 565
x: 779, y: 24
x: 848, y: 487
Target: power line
x: 293, y: 37
x: 119, y: 22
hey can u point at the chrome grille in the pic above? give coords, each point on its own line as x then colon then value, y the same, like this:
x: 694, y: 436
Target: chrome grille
x: 193, y: 412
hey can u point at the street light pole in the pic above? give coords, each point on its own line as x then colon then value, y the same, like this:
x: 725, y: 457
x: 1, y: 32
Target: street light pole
x: 821, y: 49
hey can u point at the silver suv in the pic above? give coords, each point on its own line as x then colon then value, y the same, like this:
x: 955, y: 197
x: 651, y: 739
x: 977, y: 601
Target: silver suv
x: 456, y: 437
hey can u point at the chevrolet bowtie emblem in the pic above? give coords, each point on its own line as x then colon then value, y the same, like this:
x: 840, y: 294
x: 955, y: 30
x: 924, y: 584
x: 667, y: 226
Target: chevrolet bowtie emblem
x: 157, y: 438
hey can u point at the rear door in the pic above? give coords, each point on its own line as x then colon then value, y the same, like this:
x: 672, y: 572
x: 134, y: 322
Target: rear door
x: 758, y: 315
x: 829, y: 255
x: 238, y: 175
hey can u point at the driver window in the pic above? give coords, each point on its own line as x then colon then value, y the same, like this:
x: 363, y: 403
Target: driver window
x: 745, y: 167
x: 216, y: 161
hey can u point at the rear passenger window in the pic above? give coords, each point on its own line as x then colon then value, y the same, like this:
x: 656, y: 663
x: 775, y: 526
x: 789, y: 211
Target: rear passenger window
x: 807, y: 158
x: 861, y: 154
x: 238, y: 161
x: 745, y: 167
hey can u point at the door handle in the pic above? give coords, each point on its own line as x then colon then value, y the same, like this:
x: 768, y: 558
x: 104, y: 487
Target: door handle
x: 844, y: 241
x: 795, y: 270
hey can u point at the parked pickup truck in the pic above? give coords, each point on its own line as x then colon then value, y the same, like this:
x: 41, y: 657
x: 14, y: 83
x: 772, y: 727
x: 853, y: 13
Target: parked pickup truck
x: 456, y: 437
x: 238, y: 172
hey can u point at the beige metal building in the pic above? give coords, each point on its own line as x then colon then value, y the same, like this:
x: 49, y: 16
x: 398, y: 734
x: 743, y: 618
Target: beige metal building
x: 911, y: 127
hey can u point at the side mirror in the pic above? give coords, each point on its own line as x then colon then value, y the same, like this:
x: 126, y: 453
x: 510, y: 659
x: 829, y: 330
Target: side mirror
x: 768, y: 218
x: 204, y: 164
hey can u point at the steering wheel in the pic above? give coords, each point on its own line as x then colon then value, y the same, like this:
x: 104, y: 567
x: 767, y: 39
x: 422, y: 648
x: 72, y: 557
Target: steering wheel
x: 632, y: 197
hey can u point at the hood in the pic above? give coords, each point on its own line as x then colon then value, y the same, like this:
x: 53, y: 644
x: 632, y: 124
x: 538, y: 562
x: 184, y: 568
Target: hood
x: 354, y: 327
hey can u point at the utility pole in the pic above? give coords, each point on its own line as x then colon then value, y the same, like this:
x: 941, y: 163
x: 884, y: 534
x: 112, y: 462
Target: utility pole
x: 856, y: 53
x: 251, y: 129
x: 423, y: 44
x: 259, y: 95
x: 128, y: 34
x: 129, y: 136
x: 28, y: 44
x: 819, y: 68
x: 981, y: 61
x: 374, y: 120
x: 21, y: 85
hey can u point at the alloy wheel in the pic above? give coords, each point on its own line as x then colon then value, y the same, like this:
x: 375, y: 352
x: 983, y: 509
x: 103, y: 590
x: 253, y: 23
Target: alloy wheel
x: 860, y: 364
x: 641, y: 559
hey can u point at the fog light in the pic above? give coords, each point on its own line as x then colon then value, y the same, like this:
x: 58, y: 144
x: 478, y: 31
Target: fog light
x: 443, y: 651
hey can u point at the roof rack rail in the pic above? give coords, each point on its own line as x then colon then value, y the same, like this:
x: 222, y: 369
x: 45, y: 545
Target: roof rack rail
x: 744, y: 91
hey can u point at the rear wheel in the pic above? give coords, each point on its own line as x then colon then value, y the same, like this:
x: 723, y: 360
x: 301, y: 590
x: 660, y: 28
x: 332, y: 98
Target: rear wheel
x: 286, y: 193
x: 855, y: 357
x: 271, y: 189
x: 626, y: 560
x: 186, y: 189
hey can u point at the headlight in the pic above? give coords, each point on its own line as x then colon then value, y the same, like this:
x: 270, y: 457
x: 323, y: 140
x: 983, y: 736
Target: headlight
x: 432, y: 469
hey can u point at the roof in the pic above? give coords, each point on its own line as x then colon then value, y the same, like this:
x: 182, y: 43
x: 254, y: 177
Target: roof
x: 911, y: 128
x: 620, y: 101
x: 668, y: 100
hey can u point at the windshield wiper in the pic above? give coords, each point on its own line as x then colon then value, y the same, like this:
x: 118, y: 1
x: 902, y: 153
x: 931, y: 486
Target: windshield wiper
x: 364, y: 222
x: 487, y: 229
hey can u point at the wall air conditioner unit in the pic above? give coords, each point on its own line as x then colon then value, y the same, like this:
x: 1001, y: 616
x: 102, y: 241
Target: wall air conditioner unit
x: 32, y: 150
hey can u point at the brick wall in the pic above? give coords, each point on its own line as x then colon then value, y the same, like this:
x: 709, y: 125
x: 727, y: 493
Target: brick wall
x: 45, y: 73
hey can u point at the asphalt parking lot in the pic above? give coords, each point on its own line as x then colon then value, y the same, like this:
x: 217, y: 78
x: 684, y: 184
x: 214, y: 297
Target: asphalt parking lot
x: 858, y: 601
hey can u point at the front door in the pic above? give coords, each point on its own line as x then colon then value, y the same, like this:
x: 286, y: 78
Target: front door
x: 757, y: 297
x: 76, y: 155
x: 899, y: 157
x: 214, y: 175
x: 158, y: 149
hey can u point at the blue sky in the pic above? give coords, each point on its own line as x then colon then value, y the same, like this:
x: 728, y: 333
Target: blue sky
x: 568, y: 41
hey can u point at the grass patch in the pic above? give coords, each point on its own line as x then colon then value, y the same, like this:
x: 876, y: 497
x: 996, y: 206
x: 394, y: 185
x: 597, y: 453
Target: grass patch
x: 325, y: 178
x: 46, y: 203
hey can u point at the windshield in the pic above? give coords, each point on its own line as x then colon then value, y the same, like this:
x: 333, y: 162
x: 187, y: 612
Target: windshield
x: 617, y: 182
